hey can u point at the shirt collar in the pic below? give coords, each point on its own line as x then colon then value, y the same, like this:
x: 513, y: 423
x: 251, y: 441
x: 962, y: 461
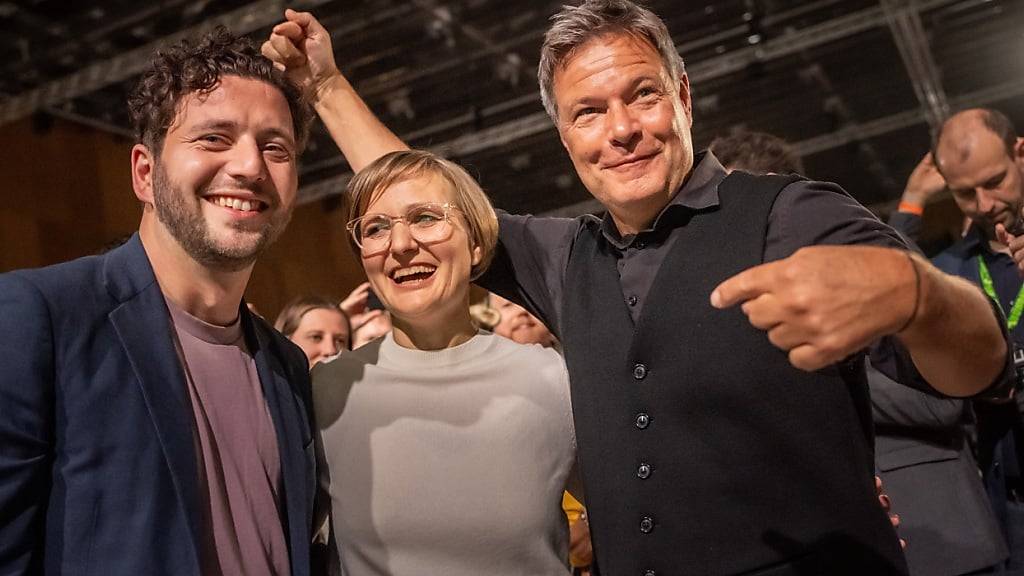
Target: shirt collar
x: 202, y: 330
x: 973, y: 243
x: 699, y: 192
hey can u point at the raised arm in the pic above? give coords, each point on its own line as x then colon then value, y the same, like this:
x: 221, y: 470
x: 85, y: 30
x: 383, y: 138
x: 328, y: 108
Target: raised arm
x: 924, y: 183
x: 301, y: 46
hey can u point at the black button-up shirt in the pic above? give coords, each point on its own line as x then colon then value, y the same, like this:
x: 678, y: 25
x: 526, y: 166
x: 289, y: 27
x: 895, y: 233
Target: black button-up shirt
x: 533, y: 253
x: 805, y: 213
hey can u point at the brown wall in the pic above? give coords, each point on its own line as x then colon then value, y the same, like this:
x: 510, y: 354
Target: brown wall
x: 68, y: 194
x: 311, y: 257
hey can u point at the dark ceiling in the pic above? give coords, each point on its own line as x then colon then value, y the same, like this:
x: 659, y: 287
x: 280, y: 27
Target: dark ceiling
x: 855, y: 84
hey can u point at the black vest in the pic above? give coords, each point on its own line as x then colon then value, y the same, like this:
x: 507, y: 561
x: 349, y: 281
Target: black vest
x: 702, y: 450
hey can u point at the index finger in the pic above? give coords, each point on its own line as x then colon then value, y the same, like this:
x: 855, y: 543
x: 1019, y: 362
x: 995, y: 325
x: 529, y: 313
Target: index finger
x: 1002, y: 235
x: 748, y: 284
x: 356, y: 299
x: 366, y: 317
x: 361, y: 291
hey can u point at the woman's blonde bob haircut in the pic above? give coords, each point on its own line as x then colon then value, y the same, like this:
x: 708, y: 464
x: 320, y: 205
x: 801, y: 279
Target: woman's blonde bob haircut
x: 404, y: 165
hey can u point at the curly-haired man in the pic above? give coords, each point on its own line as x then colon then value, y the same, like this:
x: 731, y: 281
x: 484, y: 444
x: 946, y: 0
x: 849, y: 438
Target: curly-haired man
x: 151, y: 424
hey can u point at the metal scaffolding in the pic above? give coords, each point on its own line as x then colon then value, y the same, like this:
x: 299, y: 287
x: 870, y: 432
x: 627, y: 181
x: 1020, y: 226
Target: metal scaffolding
x: 129, y: 64
x: 904, y: 20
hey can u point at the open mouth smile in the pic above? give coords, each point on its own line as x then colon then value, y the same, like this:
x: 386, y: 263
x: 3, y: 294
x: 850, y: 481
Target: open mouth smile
x: 238, y: 204
x: 412, y: 274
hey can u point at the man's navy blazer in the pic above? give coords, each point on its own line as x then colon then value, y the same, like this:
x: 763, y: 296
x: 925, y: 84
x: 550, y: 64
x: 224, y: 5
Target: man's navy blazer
x: 98, y: 466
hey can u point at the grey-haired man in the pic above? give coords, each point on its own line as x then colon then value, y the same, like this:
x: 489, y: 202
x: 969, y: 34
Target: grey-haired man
x: 704, y: 449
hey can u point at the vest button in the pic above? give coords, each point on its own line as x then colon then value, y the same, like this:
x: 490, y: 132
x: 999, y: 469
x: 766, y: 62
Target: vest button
x: 632, y: 300
x: 639, y: 371
x: 649, y: 573
x: 646, y: 524
x: 643, y: 471
x: 642, y: 420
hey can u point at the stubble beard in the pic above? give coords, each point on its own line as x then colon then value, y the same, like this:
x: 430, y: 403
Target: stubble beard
x: 184, y: 220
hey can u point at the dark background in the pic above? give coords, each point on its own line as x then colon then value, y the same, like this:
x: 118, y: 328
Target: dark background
x: 856, y: 85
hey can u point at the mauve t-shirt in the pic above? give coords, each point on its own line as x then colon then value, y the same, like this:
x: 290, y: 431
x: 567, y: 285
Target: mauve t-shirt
x: 236, y: 447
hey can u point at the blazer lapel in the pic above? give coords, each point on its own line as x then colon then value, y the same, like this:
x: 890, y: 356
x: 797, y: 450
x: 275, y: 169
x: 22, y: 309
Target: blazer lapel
x: 143, y: 325
x: 289, y: 417
x: 144, y: 328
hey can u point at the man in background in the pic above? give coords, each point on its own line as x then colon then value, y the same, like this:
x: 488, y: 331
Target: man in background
x: 756, y: 152
x: 980, y: 157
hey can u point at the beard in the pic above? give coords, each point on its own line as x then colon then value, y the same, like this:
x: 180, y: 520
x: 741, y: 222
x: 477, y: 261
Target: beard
x: 183, y: 217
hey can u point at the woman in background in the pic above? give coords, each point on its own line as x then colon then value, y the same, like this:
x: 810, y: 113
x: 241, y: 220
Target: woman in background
x: 316, y: 325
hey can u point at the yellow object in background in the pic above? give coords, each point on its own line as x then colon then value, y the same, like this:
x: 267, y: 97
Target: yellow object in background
x: 574, y: 511
x: 573, y: 508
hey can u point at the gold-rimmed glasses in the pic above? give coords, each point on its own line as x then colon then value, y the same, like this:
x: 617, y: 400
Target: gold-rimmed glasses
x: 428, y: 223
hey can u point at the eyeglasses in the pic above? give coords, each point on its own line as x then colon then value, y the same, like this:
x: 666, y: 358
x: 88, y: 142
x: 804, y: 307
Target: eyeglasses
x: 428, y: 223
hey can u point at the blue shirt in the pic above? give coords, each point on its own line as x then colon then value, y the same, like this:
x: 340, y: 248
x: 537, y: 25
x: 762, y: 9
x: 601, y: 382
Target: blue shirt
x: 961, y: 259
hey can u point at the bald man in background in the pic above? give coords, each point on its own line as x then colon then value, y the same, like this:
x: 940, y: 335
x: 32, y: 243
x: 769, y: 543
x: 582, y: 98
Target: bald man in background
x: 981, y: 159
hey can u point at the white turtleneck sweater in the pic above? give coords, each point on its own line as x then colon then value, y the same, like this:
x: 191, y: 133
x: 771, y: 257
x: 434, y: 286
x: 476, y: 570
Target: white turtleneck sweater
x: 448, y: 462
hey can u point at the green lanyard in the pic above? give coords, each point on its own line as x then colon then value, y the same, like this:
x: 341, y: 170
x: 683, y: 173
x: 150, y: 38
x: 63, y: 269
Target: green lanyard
x: 986, y: 284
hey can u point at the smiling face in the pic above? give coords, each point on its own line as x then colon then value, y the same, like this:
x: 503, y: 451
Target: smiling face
x: 321, y: 333
x: 625, y: 125
x: 225, y: 182
x: 421, y: 284
x: 518, y: 325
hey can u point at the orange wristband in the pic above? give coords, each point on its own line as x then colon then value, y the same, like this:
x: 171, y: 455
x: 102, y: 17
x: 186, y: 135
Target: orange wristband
x: 910, y: 207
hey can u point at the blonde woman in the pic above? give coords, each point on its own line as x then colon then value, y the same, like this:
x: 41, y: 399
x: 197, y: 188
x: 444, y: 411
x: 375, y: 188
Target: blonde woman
x: 317, y: 325
x: 445, y: 450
